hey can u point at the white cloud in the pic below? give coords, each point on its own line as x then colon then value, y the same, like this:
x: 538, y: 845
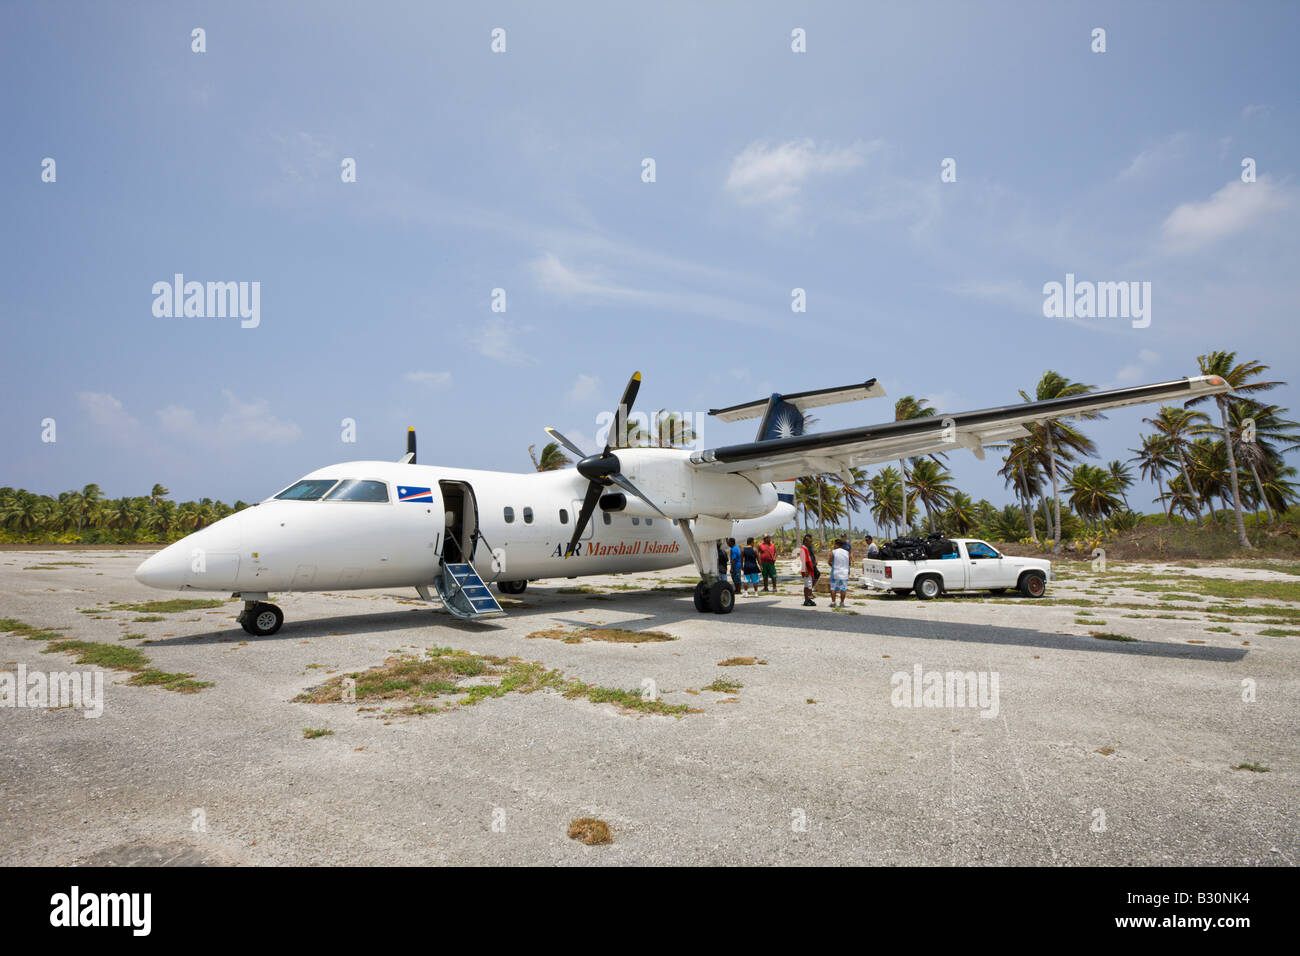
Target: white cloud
x: 584, y: 386
x: 1256, y: 109
x: 499, y: 341
x: 764, y: 174
x: 241, y: 423
x: 431, y: 379
x: 1138, y: 371
x: 1235, y: 207
x: 561, y: 280
x: 1155, y: 156
x: 106, y: 411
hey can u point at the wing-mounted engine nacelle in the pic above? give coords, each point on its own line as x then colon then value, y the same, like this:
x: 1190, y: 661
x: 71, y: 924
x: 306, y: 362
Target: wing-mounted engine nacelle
x: 665, y: 476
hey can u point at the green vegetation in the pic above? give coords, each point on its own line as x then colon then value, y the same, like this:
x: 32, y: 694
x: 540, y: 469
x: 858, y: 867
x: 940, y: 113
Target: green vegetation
x: 740, y: 662
x: 1252, y: 767
x: 421, y: 682
x: 1106, y: 636
x: 109, y: 656
x: 87, y: 517
x: 1277, y: 632
x: 724, y: 686
x: 311, y: 733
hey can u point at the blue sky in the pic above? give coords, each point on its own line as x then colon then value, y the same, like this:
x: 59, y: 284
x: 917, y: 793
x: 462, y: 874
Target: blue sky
x: 522, y: 171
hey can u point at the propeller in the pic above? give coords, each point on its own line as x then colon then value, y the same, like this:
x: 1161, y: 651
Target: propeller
x: 604, y: 469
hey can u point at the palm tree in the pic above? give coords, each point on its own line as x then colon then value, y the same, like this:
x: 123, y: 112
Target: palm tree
x: 1060, y: 441
x: 1123, y: 479
x: 856, y: 493
x: 1153, y: 461
x: 1239, y: 376
x: 1174, y: 425
x: 960, y: 515
x: 672, y: 430
x: 1092, y: 492
x: 1254, y: 446
x: 906, y: 409
x: 930, y: 484
x: 158, y: 494
x: 1021, y: 469
x: 886, y: 495
x: 552, y: 458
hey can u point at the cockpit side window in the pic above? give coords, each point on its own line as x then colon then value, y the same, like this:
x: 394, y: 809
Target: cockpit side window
x: 354, y: 489
x: 309, y: 489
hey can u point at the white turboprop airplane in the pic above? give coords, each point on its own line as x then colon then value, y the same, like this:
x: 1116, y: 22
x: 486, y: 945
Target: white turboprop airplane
x: 373, y: 524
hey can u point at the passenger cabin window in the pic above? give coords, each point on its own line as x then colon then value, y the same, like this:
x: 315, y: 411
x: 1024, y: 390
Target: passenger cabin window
x: 978, y: 549
x: 564, y: 516
x: 509, y: 515
x: 649, y: 520
x: 353, y: 489
x: 528, y: 516
x: 309, y: 489
x: 636, y: 520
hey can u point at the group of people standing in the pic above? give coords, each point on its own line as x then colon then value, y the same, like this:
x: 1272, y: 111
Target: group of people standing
x: 754, y: 564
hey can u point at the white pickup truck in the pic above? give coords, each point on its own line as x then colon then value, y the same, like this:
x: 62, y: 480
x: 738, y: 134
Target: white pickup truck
x: 971, y: 565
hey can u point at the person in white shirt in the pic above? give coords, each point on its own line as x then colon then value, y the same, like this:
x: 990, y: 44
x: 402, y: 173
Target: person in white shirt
x: 840, y: 560
x: 873, y: 549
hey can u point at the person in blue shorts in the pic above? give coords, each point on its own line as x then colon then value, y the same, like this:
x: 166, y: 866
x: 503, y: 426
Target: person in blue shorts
x: 735, y: 564
x: 840, y: 561
x: 749, y: 566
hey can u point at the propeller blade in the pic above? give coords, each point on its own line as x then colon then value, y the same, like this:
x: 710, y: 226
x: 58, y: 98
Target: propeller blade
x: 632, y: 489
x: 565, y: 442
x: 410, y: 444
x: 594, y: 491
x: 624, y: 406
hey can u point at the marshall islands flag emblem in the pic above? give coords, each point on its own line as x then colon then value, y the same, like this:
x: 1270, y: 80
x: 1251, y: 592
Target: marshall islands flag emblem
x: 414, y: 494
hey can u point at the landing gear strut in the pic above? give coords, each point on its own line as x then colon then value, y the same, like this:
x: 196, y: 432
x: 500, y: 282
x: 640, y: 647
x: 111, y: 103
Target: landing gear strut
x: 261, y: 619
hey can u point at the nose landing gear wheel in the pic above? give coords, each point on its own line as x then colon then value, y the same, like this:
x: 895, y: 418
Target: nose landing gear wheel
x: 261, y: 619
x: 721, y: 598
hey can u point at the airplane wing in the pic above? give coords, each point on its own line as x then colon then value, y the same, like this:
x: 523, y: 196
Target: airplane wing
x: 779, y: 459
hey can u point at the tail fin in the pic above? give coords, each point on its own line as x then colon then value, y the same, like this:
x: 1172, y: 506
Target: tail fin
x: 783, y: 415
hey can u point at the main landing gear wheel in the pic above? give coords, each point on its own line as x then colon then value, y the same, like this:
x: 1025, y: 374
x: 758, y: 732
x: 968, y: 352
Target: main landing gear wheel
x: 261, y: 619
x: 721, y: 598
x: 702, y: 597
x: 512, y: 587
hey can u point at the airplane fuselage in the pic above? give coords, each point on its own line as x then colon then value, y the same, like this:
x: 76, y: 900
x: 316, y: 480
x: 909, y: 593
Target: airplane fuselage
x: 511, y: 527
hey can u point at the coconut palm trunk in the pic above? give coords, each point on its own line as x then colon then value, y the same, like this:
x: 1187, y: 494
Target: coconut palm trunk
x: 1259, y: 486
x: 1056, y: 494
x: 1026, y: 503
x: 1232, y: 474
x: 902, y: 467
x: 1191, y: 491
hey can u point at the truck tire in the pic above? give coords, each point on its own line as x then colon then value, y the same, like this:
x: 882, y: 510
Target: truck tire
x: 928, y: 587
x: 1033, y: 584
x: 902, y: 592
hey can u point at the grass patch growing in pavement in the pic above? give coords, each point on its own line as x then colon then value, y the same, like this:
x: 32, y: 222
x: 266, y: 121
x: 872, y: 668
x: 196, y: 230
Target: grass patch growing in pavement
x: 1253, y: 767
x: 173, y: 606
x: 724, y: 686
x: 1107, y: 636
x: 1277, y: 632
x: 15, y: 626
x: 109, y: 656
x: 612, y: 635
x: 578, y: 589
x: 419, y: 683
x: 311, y: 733
x: 740, y: 662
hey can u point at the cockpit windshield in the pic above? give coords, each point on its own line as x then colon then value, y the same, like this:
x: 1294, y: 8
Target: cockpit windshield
x: 309, y: 489
x: 354, y: 489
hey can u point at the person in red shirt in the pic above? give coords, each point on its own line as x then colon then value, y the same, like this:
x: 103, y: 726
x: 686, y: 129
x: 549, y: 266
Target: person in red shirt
x: 767, y: 560
x: 808, y: 563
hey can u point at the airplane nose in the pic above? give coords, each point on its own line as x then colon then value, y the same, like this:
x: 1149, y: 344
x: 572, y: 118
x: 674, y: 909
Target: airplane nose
x: 207, y: 560
x: 167, y: 569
